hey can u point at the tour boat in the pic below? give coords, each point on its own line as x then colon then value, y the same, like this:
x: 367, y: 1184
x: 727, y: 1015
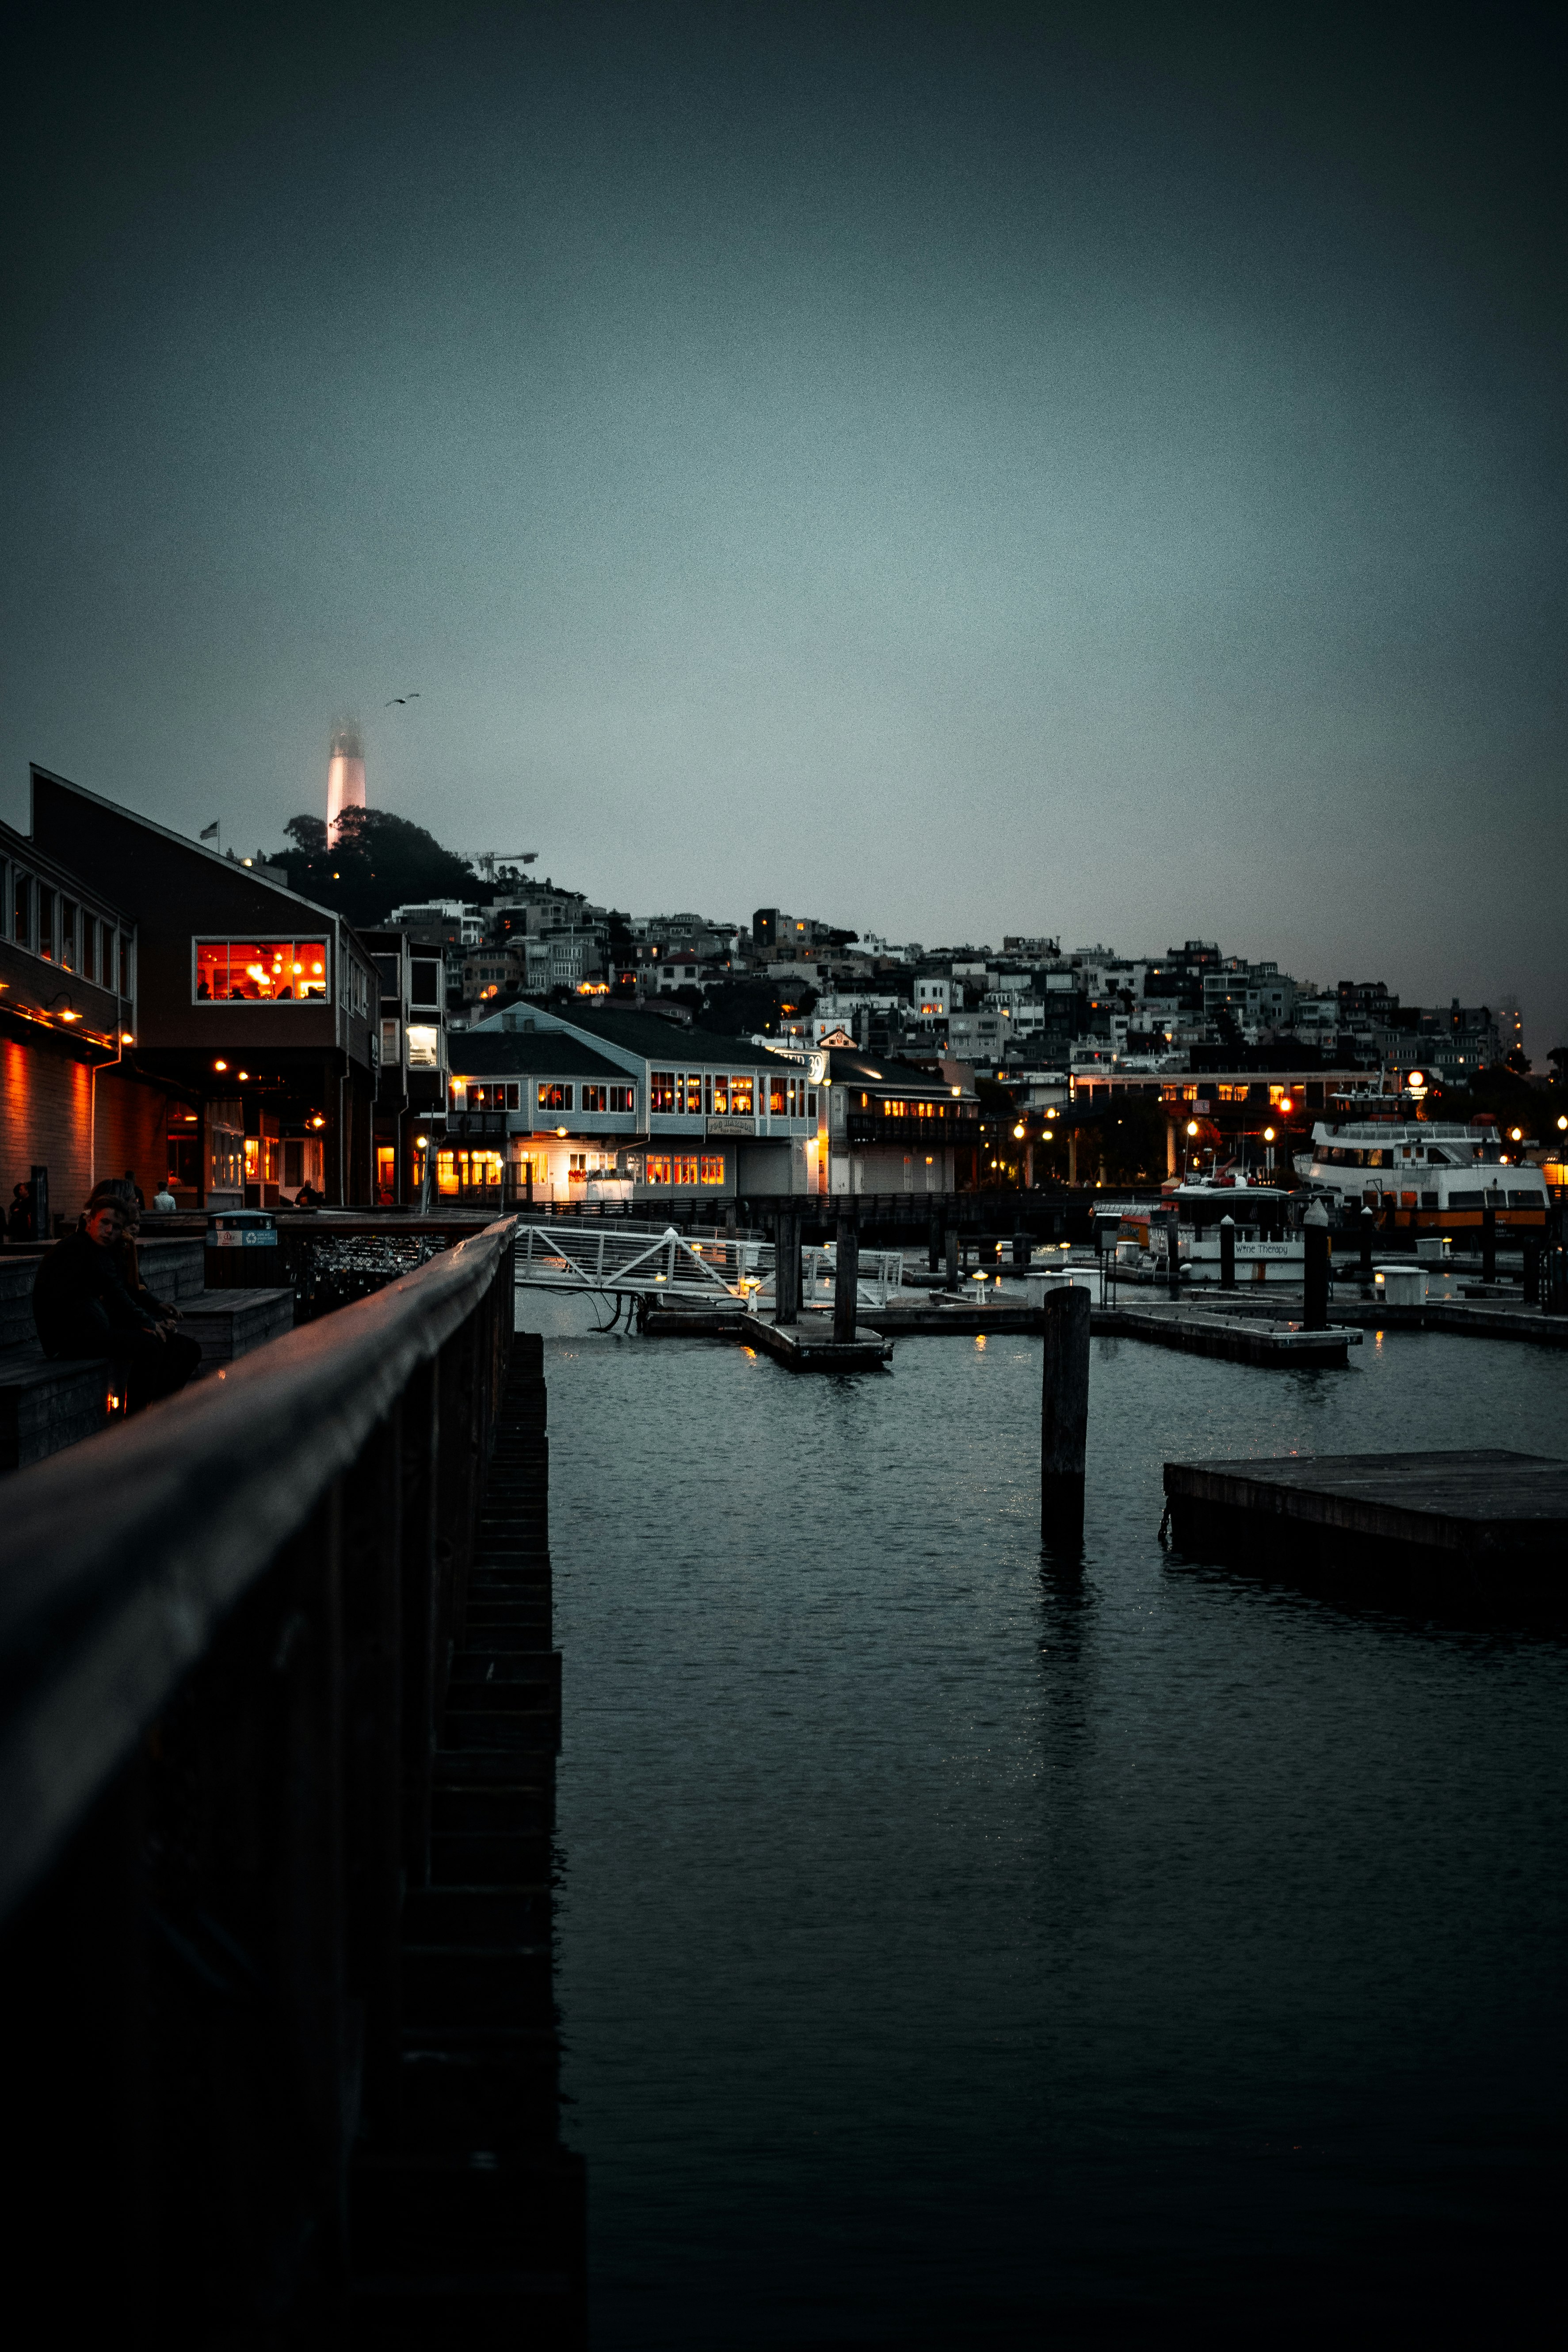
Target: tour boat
x: 1424, y: 1173
x: 1266, y: 1250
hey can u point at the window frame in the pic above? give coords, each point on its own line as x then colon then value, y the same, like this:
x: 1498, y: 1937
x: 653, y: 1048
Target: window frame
x: 323, y: 1003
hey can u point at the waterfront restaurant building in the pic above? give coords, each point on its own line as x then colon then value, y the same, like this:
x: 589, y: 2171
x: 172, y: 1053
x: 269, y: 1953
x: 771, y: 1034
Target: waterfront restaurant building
x: 411, y: 1075
x: 625, y: 1106
x: 608, y: 1105
x: 254, y: 1010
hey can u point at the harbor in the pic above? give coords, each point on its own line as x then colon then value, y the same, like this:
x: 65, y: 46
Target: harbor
x: 1105, y: 1866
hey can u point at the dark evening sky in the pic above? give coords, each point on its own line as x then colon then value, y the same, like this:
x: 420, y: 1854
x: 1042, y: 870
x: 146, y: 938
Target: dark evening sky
x: 953, y: 471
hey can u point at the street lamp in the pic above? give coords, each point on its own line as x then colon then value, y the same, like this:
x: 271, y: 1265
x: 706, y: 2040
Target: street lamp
x: 1269, y: 1140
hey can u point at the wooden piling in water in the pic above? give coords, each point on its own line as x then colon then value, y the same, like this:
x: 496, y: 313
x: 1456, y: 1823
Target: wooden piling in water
x: 845, y: 1279
x: 1227, y: 1253
x: 951, y: 1243
x: 1064, y: 1412
x: 1315, y: 1268
x: 1488, y: 1235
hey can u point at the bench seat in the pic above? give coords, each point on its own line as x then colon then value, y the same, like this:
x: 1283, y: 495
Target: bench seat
x: 48, y: 1402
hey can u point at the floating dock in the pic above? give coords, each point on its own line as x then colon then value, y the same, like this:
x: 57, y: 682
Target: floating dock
x: 808, y: 1347
x: 1237, y: 1339
x: 1486, y: 1522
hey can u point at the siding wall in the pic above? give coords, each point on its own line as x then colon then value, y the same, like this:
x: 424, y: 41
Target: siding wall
x: 132, y: 1130
x: 45, y: 1110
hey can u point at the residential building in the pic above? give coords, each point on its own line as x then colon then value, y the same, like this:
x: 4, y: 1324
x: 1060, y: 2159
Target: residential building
x: 895, y: 1127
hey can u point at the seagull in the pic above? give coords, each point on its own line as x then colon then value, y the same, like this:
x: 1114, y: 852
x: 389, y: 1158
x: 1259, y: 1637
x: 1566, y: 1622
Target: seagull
x: 400, y: 698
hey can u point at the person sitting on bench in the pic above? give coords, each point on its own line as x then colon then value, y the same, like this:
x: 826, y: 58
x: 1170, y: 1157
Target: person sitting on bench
x: 82, y: 1309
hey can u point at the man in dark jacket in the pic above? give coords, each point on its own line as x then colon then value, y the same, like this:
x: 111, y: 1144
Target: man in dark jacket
x: 81, y: 1307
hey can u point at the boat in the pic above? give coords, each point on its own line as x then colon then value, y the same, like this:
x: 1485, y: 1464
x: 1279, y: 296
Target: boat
x: 1266, y: 1249
x: 1425, y: 1175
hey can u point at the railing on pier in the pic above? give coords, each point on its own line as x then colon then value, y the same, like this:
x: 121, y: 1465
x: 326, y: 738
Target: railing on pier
x: 223, y: 1635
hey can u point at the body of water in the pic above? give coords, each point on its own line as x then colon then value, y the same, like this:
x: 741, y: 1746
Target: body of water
x: 959, y: 1947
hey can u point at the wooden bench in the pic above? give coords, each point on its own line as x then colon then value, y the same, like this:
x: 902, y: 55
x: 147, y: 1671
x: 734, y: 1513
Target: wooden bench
x: 50, y: 1402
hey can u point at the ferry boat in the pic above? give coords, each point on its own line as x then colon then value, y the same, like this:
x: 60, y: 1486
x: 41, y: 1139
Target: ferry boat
x: 1266, y: 1249
x: 1424, y: 1174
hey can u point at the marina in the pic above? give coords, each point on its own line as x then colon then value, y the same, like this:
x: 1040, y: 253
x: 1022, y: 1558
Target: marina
x: 1098, y: 1875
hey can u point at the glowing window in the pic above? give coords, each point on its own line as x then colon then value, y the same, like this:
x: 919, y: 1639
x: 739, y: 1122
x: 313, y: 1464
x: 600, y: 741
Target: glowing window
x: 261, y: 971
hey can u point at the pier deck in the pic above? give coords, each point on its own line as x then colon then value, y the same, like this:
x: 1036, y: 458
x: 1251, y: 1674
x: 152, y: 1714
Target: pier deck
x: 1484, y: 1519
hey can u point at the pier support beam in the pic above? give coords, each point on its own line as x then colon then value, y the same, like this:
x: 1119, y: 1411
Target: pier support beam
x: 1315, y: 1271
x: 1227, y: 1253
x: 1488, y: 1235
x: 1064, y: 1412
x: 787, y: 1266
x: 951, y: 1245
x: 845, y: 1279
x: 1368, y: 1235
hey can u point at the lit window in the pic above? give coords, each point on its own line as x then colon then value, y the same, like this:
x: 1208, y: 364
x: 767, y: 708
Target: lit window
x: 713, y: 1171
x: 659, y: 1168
x: 264, y: 971
x: 554, y: 1096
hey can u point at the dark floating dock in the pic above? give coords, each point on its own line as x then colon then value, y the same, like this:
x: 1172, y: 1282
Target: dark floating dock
x: 1486, y: 1522
x: 807, y: 1347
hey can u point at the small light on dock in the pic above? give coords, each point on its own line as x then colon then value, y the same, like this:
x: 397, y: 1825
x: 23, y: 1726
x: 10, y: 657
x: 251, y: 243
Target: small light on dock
x: 220, y: 1065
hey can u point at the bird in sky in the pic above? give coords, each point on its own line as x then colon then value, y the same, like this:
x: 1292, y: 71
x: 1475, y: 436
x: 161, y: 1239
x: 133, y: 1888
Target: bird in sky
x: 400, y: 698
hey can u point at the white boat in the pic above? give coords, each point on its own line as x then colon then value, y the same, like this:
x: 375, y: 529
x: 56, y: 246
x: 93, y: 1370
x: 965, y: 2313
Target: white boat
x: 1424, y: 1173
x: 1266, y: 1249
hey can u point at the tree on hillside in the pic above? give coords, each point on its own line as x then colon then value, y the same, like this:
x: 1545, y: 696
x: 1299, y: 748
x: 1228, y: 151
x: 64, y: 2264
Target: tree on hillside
x: 749, y: 1008
x: 376, y: 862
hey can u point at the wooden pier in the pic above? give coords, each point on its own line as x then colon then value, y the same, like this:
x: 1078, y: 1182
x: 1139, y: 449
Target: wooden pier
x: 278, y: 1712
x: 1486, y: 1523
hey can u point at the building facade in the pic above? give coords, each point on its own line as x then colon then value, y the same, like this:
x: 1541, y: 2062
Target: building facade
x: 256, y: 1010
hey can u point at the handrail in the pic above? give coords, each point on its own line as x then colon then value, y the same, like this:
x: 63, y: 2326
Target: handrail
x: 119, y: 1558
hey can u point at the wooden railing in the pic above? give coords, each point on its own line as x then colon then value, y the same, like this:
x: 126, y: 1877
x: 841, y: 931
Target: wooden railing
x: 224, y: 1631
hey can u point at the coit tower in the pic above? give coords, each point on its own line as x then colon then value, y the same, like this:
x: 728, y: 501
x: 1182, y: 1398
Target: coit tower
x: 345, y: 772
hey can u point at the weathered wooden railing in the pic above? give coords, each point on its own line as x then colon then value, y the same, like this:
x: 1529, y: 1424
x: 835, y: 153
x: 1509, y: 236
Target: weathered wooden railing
x: 225, y: 1630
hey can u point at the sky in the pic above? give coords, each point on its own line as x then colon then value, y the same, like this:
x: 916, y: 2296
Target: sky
x: 951, y: 470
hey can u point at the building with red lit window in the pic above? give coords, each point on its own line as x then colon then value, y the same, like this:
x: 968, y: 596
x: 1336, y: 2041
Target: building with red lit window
x: 257, y: 1013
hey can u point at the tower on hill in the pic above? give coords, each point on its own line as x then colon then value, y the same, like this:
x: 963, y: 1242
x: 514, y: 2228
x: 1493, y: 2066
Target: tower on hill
x: 345, y: 771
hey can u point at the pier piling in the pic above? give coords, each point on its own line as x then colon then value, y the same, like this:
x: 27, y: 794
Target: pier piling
x: 1368, y: 1233
x: 846, y: 1278
x: 1315, y: 1268
x: 1488, y: 1235
x: 950, y: 1242
x: 786, y: 1267
x: 1227, y: 1253
x: 1064, y: 1412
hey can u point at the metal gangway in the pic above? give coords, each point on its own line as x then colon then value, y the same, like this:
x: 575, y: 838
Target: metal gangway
x: 639, y: 1261
x: 619, y: 1260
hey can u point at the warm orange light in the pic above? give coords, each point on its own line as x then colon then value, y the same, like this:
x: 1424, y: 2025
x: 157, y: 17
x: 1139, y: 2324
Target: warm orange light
x: 561, y: 1130
x: 1516, y: 1134
x: 318, y: 1122
x: 126, y: 1038
x: 244, y: 1074
x: 1269, y: 1135
x: 1020, y: 1131
x: 1192, y: 1126
x: 220, y: 1065
x: 1286, y: 1105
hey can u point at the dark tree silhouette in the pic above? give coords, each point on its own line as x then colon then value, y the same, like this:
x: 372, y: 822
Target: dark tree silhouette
x: 377, y: 861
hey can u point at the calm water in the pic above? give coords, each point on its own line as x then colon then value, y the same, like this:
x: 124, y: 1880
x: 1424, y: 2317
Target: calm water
x: 957, y: 1948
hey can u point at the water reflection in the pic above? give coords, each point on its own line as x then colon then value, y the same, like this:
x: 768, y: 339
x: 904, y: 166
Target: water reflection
x: 974, y: 1939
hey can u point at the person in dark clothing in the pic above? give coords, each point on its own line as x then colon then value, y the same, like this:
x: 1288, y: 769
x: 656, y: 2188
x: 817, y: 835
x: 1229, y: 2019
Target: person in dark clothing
x: 81, y: 1307
x: 19, y: 1217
